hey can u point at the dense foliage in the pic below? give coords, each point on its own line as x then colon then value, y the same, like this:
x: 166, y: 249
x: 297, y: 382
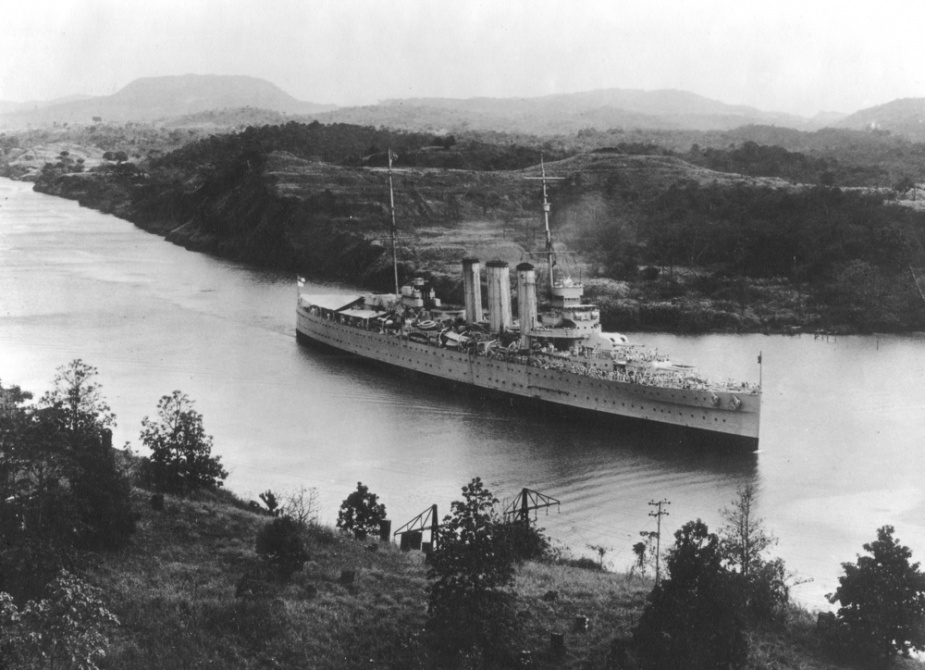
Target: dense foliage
x: 181, y: 458
x: 66, y: 629
x: 848, y: 253
x: 694, y: 619
x: 60, y: 485
x: 881, y: 601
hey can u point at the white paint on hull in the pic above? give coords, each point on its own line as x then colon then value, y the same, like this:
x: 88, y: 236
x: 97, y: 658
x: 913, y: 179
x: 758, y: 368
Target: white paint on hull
x: 691, y: 408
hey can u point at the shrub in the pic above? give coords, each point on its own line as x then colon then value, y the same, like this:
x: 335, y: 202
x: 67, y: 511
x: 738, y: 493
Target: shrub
x: 66, y: 629
x: 524, y: 541
x: 694, y: 619
x: 361, y: 512
x: 882, y: 599
x: 280, y: 543
x: 322, y: 535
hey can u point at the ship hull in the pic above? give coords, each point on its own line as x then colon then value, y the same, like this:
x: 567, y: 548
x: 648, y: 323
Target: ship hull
x: 721, y: 413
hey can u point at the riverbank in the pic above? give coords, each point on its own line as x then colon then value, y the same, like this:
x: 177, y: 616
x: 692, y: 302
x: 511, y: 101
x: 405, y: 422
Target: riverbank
x: 257, y: 223
x: 180, y: 592
x: 663, y: 244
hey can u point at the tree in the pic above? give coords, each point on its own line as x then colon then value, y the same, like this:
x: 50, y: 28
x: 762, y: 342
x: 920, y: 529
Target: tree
x: 302, y: 506
x: 77, y: 401
x: 743, y: 538
x: 471, y: 568
x: 645, y: 552
x: 101, y: 492
x: 181, y: 458
x: 271, y: 501
x: 37, y: 517
x: 882, y: 599
x: 743, y: 543
x: 694, y: 619
x: 361, y: 512
x: 60, y: 486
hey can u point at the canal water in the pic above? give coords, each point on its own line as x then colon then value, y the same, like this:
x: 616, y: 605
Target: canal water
x: 842, y: 447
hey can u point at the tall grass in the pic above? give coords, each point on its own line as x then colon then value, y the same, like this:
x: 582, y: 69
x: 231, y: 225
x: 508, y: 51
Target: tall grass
x: 191, y: 592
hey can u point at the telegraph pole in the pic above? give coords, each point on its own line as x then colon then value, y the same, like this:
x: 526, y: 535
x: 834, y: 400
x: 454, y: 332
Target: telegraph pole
x: 658, y: 535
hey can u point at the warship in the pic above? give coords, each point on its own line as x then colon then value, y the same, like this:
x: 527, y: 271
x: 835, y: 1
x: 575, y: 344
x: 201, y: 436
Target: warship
x: 558, y: 354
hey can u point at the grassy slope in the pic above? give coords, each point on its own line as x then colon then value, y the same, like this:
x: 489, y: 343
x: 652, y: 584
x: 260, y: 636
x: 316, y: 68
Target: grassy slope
x: 173, y: 590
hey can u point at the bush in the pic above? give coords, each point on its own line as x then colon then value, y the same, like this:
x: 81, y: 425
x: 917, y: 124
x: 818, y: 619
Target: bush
x: 361, y: 513
x: 66, y: 629
x: 694, y: 619
x: 524, y: 541
x: 882, y: 599
x: 280, y: 543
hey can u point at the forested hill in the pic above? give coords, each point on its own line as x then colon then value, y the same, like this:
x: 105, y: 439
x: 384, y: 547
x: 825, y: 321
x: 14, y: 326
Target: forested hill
x: 151, y: 98
x: 667, y: 244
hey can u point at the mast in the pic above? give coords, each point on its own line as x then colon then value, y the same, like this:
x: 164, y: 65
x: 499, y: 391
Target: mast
x: 394, y: 231
x: 546, y: 224
x: 549, y: 249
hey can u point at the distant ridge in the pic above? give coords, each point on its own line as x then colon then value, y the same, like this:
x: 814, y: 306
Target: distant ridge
x: 154, y: 98
x: 905, y: 116
x: 665, y: 109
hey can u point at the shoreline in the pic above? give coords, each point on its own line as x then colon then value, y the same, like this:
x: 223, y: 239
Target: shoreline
x: 665, y: 305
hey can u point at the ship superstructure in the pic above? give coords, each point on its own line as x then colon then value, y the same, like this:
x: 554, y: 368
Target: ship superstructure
x: 559, y: 355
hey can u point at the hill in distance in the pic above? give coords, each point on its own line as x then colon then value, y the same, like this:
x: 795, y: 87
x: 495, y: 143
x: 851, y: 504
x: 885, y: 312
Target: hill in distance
x: 566, y: 113
x: 157, y: 98
x: 905, y: 117
x: 177, y: 100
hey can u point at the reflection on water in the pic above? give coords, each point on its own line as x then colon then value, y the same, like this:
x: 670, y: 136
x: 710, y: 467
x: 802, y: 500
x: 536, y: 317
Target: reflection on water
x: 842, y: 419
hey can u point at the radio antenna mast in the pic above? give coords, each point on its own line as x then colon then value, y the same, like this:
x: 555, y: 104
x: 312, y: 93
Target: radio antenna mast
x: 549, y: 249
x: 394, y: 231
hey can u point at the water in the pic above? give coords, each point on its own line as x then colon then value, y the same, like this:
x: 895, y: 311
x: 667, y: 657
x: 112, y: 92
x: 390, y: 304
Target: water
x: 841, y: 436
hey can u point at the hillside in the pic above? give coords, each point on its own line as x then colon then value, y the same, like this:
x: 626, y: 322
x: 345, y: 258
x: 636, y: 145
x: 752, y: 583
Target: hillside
x: 188, y: 592
x: 153, y: 98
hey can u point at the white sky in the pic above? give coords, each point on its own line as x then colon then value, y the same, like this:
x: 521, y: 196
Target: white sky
x: 792, y: 56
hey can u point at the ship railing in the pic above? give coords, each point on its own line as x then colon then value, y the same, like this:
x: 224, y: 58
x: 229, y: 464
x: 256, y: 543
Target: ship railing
x: 675, y: 380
